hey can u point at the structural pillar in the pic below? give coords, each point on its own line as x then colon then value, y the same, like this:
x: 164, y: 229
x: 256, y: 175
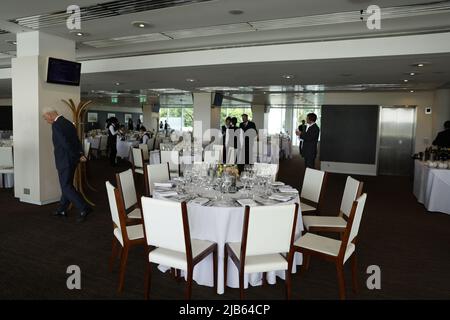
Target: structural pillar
x: 35, y: 175
x: 202, y: 116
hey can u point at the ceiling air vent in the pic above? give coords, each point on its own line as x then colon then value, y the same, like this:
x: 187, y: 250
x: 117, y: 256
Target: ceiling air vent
x: 101, y: 10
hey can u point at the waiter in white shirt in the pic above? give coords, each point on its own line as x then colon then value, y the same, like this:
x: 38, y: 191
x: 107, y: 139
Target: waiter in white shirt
x: 112, y: 140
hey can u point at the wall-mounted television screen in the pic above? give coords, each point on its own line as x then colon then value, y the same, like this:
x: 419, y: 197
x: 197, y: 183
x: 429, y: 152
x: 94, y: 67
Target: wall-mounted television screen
x: 63, y: 72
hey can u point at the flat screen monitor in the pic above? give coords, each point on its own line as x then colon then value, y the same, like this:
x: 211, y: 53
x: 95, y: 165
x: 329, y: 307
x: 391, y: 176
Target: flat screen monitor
x: 63, y: 72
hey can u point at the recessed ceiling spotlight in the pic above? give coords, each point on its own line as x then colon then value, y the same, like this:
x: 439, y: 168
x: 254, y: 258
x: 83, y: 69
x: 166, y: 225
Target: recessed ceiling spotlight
x: 288, y: 76
x: 79, y: 33
x: 406, y: 80
x: 190, y: 80
x: 141, y: 24
x: 235, y: 12
x: 117, y: 83
x: 11, y: 42
x: 412, y: 91
x: 420, y: 65
x: 412, y: 73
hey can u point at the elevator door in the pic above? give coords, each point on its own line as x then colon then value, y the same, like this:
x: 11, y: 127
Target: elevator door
x: 397, y: 125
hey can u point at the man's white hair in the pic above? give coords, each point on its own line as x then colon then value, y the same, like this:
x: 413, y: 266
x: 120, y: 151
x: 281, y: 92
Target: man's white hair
x: 49, y: 110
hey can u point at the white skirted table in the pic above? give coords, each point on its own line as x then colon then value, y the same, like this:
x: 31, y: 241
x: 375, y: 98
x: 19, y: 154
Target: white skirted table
x: 222, y: 225
x: 432, y: 187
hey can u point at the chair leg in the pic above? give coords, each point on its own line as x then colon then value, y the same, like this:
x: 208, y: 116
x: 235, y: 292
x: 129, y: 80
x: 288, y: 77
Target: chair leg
x: 113, y: 254
x: 341, y: 281
x: 354, y: 273
x: 306, y: 259
x: 189, y: 283
x: 225, y: 267
x: 148, y: 280
x: 123, y: 265
x: 288, y: 283
x: 215, y: 268
x: 241, y: 284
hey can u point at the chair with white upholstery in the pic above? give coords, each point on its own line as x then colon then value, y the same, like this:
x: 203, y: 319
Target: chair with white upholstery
x: 138, y: 161
x: 103, y: 145
x: 313, y: 188
x: 167, y: 234
x: 125, y: 236
x: 352, y: 190
x: 338, y: 251
x: 267, y: 169
x: 127, y: 191
x: 87, y: 149
x: 151, y: 143
x: 6, y: 162
x: 156, y: 173
x: 259, y: 253
x: 173, y: 158
x: 145, y: 152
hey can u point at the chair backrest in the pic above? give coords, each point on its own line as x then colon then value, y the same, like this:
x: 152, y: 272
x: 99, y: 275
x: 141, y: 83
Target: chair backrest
x: 312, y: 184
x: 157, y: 173
x: 137, y: 158
x: 87, y: 148
x: 172, y: 157
x: 103, y: 143
x: 145, y: 152
x: 113, y: 207
x: 231, y: 156
x: 212, y: 156
x: 352, y: 191
x: 355, y: 223
x: 125, y: 182
x: 151, y: 143
x: 163, y: 224
x: 6, y: 157
x: 274, y: 222
x: 267, y: 169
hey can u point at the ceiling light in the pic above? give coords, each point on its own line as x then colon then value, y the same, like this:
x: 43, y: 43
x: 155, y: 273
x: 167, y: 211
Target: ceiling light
x: 288, y: 76
x: 406, y: 80
x: 140, y: 24
x: 412, y: 73
x: 420, y: 65
x: 117, y: 83
x: 235, y: 12
x: 412, y: 91
x: 190, y: 80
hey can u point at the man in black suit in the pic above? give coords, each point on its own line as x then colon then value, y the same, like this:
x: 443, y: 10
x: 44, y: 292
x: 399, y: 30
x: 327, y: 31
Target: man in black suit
x: 68, y: 153
x: 310, y: 137
x: 443, y: 137
x: 247, y: 125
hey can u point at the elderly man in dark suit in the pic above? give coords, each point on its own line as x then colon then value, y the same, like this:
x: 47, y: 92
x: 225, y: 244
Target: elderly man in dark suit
x: 310, y: 138
x: 68, y: 153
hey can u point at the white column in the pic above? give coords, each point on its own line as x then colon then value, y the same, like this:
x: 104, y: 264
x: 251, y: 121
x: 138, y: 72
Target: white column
x: 151, y: 119
x: 35, y: 175
x: 441, y: 111
x: 215, y: 117
x: 202, y: 115
x: 258, y: 116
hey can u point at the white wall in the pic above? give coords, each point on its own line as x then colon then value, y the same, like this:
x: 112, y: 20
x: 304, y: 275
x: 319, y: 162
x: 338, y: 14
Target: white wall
x: 441, y: 110
x: 424, y: 126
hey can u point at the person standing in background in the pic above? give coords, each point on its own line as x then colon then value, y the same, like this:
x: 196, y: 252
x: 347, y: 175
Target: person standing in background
x: 301, y: 128
x: 68, y: 153
x: 130, y: 124
x: 443, y: 138
x: 310, y: 138
x: 113, y: 131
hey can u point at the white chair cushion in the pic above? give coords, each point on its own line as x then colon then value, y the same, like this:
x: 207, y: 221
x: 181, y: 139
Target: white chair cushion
x: 139, y: 170
x: 260, y: 263
x: 322, y: 221
x: 134, y: 232
x: 306, y: 207
x: 323, y: 245
x: 135, y: 214
x: 176, y: 259
x: 174, y: 174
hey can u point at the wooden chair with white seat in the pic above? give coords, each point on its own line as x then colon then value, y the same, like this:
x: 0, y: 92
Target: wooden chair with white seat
x: 156, y: 173
x: 124, y: 235
x: 173, y: 158
x: 145, y: 152
x: 267, y: 169
x: 6, y: 162
x: 138, y: 161
x: 151, y: 144
x: 352, y: 191
x: 258, y: 253
x: 167, y: 234
x: 337, y: 251
x: 127, y: 190
x: 313, y: 187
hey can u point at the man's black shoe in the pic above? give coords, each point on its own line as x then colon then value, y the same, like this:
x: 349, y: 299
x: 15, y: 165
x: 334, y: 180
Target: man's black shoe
x: 84, y: 214
x: 60, y: 214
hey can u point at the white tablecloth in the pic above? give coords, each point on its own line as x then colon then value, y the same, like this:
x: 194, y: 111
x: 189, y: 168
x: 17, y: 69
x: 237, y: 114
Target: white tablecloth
x: 222, y: 225
x: 9, y: 180
x: 432, y: 187
x: 124, y: 148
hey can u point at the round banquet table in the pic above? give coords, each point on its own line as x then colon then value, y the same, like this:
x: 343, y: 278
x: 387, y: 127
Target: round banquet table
x: 222, y: 225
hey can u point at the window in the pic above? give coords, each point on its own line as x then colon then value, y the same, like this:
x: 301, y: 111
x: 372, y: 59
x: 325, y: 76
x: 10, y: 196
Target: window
x: 235, y: 112
x: 178, y: 117
x: 299, y: 115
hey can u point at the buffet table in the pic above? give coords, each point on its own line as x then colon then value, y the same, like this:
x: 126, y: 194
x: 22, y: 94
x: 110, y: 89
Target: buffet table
x: 432, y: 187
x: 221, y: 223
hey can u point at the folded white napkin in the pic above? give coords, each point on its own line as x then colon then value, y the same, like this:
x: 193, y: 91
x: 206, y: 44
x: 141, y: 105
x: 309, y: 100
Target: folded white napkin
x: 163, y: 185
x: 277, y: 183
x: 280, y: 197
x: 167, y: 193
x: 288, y: 190
x: 200, y: 201
x: 247, y: 202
